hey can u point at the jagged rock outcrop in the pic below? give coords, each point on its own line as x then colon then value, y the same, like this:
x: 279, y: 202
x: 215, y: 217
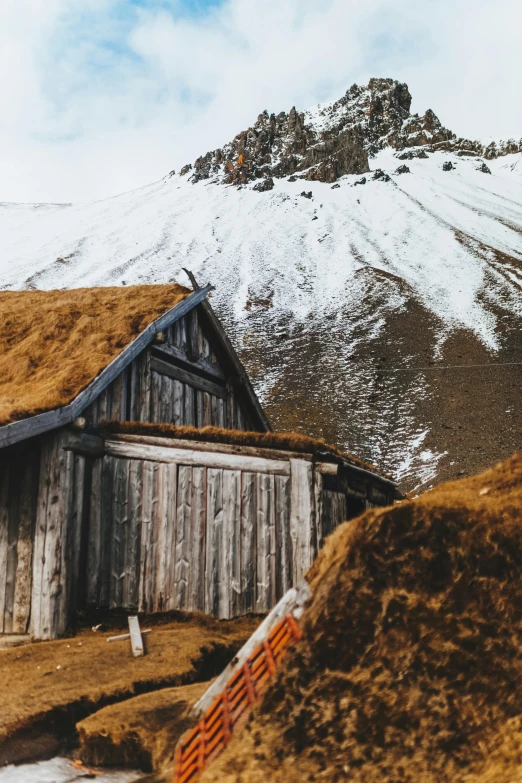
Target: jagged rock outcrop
x: 335, y: 139
x: 282, y: 145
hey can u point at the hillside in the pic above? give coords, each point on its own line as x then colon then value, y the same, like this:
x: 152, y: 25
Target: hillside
x: 335, y: 273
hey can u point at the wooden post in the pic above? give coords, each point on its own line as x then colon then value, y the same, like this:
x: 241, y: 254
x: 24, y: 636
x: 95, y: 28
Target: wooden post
x: 135, y: 637
x: 196, y: 597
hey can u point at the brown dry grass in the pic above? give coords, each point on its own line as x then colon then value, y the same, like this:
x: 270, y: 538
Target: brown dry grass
x: 94, y: 673
x: 410, y: 669
x: 142, y: 732
x: 290, y: 441
x: 54, y: 343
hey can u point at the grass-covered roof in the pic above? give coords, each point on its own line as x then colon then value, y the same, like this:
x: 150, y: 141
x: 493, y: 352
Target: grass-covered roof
x: 54, y: 343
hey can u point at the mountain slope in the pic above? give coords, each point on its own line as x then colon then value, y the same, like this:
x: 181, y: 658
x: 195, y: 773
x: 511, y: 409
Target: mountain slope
x: 331, y: 299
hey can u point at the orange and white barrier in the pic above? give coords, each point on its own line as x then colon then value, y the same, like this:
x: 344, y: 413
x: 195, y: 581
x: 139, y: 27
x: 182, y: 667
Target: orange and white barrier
x: 239, y: 687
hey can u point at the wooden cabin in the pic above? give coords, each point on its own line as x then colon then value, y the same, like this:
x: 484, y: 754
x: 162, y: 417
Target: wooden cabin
x: 138, y: 469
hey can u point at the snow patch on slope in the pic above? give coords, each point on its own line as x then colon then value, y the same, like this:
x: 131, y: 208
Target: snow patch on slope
x: 434, y: 235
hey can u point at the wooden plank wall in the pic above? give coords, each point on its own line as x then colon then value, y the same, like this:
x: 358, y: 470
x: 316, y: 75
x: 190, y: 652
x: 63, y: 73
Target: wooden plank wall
x: 334, y: 511
x: 57, y: 539
x: 18, y: 487
x: 168, y: 536
x: 141, y: 393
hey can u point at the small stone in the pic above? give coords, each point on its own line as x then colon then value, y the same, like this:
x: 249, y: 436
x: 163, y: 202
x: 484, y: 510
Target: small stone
x: 335, y: 186
x: 447, y: 166
x: 292, y: 179
x: 185, y: 170
x: 403, y: 169
x: 361, y: 181
x: 484, y: 169
x: 315, y: 218
x: 304, y: 194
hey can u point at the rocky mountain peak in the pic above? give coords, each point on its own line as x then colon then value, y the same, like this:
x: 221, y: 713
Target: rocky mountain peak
x: 334, y: 139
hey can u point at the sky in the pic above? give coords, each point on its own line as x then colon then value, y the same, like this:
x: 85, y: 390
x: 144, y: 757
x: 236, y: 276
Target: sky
x: 103, y: 96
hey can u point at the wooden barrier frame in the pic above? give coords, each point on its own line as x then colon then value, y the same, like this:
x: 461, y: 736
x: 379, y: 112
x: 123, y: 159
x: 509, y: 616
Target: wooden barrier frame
x: 199, y: 746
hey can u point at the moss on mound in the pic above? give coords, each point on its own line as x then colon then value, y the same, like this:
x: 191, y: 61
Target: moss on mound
x: 410, y: 668
x: 141, y: 733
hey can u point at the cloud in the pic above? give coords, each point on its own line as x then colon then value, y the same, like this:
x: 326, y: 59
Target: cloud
x: 101, y: 96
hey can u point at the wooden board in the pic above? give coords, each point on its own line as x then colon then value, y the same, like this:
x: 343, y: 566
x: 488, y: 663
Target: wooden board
x: 94, y: 538
x: 78, y: 524
x: 229, y: 599
x: 284, y: 558
x: 196, y: 596
x: 248, y: 540
x: 266, y: 543
x: 214, y: 547
x: 12, y: 540
x: 120, y: 447
x: 183, y: 538
x: 130, y: 597
x: 4, y: 523
x: 166, y: 554
x: 49, y: 593
x: 220, y: 448
x: 185, y: 376
x: 135, y: 637
x: 106, y: 520
x: 148, y: 537
x: 119, y: 531
x: 302, y: 518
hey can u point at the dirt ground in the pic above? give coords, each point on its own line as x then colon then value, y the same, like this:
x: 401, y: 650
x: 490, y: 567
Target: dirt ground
x: 47, y: 687
x: 140, y: 733
x: 410, y: 667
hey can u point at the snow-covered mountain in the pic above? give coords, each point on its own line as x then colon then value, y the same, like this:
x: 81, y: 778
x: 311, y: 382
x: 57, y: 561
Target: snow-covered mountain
x: 367, y: 263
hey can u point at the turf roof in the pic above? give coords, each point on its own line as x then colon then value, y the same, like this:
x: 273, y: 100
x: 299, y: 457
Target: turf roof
x: 288, y: 441
x: 53, y: 344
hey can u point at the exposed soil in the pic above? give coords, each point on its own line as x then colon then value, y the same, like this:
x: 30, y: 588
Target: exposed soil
x: 410, y: 669
x: 141, y: 733
x: 48, y: 686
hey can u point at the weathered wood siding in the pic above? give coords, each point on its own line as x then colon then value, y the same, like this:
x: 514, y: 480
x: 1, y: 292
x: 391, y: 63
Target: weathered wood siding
x: 200, y: 394
x: 155, y: 528
x: 18, y: 491
x: 334, y: 511
x: 225, y: 541
x: 58, y: 535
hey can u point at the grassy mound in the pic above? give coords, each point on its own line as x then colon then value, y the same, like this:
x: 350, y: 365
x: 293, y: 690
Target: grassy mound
x: 141, y: 733
x: 411, y: 664
x: 48, y: 686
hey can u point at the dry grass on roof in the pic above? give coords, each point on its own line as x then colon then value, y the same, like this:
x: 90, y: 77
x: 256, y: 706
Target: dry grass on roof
x: 54, y: 343
x: 289, y: 441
